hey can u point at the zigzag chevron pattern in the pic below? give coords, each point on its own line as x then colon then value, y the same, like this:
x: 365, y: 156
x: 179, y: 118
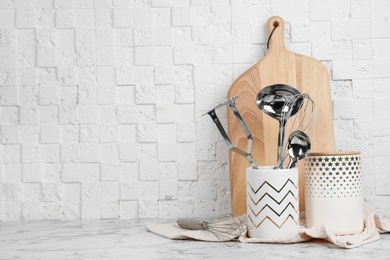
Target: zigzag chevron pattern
x: 270, y: 219
x: 278, y: 202
x: 278, y: 191
x: 289, y: 202
x: 267, y: 206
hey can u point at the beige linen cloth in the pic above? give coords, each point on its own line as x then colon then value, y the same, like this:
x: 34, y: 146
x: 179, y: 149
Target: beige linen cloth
x: 374, y: 224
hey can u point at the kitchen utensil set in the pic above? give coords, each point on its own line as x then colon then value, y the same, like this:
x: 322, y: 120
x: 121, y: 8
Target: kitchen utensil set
x: 275, y: 101
x: 280, y: 102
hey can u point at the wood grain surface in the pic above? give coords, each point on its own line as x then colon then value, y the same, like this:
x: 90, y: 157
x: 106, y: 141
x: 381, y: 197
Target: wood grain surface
x: 279, y: 65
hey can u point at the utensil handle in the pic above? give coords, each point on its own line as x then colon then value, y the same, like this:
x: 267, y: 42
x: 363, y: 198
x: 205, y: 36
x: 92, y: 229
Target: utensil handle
x: 282, y: 126
x: 192, y: 224
x: 291, y: 164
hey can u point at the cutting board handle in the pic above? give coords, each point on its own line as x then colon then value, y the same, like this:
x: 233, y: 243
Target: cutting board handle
x: 277, y: 38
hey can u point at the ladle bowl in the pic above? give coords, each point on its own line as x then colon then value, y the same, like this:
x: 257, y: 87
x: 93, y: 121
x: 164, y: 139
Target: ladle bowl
x: 299, y: 146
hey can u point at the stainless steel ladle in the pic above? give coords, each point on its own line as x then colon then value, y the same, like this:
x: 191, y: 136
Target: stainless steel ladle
x: 274, y: 101
x: 231, y: 103
x: 299, y: 146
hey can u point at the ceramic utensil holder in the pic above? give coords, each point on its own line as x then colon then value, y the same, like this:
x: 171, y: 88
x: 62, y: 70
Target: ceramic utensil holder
x: 333, y: 192
x: 272, y: 202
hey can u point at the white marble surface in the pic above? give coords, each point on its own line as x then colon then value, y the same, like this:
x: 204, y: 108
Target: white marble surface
x: 128, y: 239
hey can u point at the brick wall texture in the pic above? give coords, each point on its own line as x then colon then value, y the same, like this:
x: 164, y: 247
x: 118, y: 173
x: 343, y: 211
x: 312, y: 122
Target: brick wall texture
x: 101, y: 101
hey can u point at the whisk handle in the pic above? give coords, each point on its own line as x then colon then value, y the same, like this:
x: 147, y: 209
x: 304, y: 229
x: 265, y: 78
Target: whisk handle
x: 192, y: 224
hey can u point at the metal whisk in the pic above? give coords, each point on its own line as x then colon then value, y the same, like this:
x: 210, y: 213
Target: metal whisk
x: 227, y: 228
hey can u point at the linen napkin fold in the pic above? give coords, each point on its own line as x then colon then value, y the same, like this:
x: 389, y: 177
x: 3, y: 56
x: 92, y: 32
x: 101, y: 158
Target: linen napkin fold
x: 374, y: 224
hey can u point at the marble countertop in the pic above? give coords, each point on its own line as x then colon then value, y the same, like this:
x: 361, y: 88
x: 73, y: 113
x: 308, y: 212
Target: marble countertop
x: 129, y: 239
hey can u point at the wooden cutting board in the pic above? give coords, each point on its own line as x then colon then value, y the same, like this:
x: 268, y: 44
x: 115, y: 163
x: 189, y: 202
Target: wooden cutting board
x: 279, y: 65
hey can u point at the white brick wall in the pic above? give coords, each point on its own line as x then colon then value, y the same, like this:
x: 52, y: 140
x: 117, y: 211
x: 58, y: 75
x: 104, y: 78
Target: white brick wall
x: 101, y: 100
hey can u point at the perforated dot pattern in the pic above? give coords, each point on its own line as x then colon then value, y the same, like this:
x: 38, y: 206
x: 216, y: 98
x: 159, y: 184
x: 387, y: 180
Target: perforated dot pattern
x: 333, y: 176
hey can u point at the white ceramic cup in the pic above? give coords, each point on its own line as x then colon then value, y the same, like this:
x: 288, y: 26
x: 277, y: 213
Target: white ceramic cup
x: 272, y: 202
x: 333, y: 192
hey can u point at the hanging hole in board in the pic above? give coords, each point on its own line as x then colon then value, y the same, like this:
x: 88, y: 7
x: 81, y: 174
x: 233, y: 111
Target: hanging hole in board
x: 275, y: 24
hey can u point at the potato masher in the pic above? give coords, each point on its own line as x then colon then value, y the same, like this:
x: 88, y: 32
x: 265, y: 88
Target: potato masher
x: 231, y: 103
